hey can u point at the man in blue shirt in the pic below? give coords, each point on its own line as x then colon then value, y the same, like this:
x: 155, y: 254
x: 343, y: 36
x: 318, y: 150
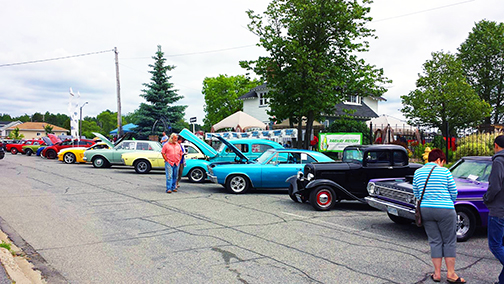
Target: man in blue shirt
x: 164, y: 139
x: 494, y: 200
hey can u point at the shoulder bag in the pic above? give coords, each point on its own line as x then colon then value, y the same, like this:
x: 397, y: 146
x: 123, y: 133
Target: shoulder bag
x: 418, y: 215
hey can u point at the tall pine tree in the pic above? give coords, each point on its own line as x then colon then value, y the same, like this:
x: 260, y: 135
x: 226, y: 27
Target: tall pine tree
x: 160, y: 96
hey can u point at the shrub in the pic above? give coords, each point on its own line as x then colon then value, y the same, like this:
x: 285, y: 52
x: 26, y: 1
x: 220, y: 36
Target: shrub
x: 473, y: 149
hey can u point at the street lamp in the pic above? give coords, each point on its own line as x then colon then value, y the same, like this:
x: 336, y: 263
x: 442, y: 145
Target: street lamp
x: 80, y: 121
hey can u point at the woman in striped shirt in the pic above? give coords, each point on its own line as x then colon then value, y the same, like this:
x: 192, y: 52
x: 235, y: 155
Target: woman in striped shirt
x: 438, y: 213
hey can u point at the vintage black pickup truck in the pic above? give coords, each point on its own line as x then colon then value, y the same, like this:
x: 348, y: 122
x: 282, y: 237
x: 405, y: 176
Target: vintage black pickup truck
x: 325, y: 184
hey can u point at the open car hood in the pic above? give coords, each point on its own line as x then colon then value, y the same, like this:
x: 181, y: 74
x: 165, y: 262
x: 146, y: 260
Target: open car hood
x: 104, y: 139
x: 235, y: 150
x: 48, y: 141
x: 206, y: 149
x: 53, y: 139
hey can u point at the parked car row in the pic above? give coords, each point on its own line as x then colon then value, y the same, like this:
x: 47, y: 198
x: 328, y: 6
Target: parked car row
x: 379, y: 175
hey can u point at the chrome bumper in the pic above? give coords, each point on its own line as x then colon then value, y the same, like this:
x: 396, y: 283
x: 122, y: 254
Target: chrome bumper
x: 391, y: 208
x: 213, y: 178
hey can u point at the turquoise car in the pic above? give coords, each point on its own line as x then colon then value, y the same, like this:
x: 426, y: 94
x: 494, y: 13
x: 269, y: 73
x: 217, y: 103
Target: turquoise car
x: 196, y: 169
x: 105, y: 158
x: 270, y: 170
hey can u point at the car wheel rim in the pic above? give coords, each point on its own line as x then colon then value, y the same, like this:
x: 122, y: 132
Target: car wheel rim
x: 324, y: 198
x: 463, y: 224
x: 69, y: 158
x: 238, y: 184
x: 197, y: 175
x: 99, y: 162
x: 142, y: 167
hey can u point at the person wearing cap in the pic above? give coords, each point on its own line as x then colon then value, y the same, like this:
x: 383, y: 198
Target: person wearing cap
x: 494, y: 200
x: 172, y: 155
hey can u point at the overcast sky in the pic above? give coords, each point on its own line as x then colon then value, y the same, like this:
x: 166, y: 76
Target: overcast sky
x: 201, y: 38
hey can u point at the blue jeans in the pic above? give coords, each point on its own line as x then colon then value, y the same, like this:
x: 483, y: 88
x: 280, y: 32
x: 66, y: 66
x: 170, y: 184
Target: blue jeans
x: 495, y: 235
x: 171, y: 176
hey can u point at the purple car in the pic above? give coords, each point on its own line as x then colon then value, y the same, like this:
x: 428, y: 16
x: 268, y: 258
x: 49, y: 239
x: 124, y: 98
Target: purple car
x: 395, y: 196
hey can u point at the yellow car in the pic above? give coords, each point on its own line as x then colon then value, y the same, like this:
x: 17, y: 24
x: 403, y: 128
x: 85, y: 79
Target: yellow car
x: 144, y: 161
x: 76, y: 154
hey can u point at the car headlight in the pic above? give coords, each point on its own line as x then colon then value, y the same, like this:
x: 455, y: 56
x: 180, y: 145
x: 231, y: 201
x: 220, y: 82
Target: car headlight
x: 371, y: 188
x: 310, y: 176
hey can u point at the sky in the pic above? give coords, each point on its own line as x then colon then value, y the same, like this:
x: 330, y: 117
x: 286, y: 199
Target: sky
x: 201, y: 38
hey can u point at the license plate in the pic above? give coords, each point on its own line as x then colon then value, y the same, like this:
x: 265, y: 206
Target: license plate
x: 392, y: 211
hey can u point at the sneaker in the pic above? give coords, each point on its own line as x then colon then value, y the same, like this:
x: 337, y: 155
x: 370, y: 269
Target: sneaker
x: 168, y: 191
x: 174, y: 190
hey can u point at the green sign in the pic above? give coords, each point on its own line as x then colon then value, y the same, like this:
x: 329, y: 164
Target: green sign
x: 336, y: 142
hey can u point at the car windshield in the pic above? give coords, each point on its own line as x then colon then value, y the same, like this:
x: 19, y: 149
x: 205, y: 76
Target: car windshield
x: 472, y: 170
x: 353, y: 155
x: 265, y: 156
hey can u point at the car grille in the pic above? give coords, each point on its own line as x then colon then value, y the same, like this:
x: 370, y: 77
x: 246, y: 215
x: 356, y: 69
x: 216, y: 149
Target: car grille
x: 396, y: 194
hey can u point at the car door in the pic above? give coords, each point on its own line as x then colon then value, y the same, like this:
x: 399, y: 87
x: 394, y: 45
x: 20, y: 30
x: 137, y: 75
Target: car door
x: 281, y: 166
x: 123, y: 147
x: 375, y: 164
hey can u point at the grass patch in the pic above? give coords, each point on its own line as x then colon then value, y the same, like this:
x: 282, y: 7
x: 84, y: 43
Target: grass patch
x: 5, y: 245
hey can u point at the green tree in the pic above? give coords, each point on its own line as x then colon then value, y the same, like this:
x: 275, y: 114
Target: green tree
x: 56, y: 119
x: 312, y: 63
x: 221, y: 96
x: 37, y: 117
x: 444, y: 96
x: 14, y: 134
x: 48, y: 129
x: 23, y: 118
x: 482, y: 56
x: 90, y: 126
x: 5, y: 117
x: 107, y: 120
x: 160, y: 97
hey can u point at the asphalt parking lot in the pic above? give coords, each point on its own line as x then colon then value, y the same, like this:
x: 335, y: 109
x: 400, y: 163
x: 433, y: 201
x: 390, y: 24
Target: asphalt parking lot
x: 87, y: 225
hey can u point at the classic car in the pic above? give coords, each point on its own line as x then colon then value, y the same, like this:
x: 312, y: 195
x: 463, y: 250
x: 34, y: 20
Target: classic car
x: 31, y: 149
x: 2, y: 151
x: 105, y: 158
x: 325, y: 184
x: 195, y: 169
x: 76, y: 154
x: 145, y: 161
x: 395, y: 196
x: 18, y: 147
x: 51, y: 152
x: 270, y: 170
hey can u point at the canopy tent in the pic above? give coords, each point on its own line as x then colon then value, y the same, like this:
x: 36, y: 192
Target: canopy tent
x: 239, y: 121
x: 126, y: 128
x: 386, y: 127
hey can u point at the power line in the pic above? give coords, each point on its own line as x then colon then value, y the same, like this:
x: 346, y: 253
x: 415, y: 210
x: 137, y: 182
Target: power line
x: 52, y: 59
x: 423, y: 11
x: 198, y: 52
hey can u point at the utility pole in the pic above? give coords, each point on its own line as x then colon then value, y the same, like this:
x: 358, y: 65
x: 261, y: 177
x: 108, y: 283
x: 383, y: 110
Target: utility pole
x: 119, y: 117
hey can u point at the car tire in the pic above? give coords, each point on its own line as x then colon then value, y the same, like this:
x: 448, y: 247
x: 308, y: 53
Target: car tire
x: 51, y: 154
x: 142, y: 166
x: 399, y: 220
x: 323, y: 198
x: 466, y: 223
x: 237, y: 184
x: 69, y: 158
x: 197, y: 175
x: 29, y: 152
x: 100, y: 162
x: 13, y: 151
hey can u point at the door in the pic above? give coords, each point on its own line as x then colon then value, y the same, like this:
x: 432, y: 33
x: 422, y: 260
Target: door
x: 281, y: 166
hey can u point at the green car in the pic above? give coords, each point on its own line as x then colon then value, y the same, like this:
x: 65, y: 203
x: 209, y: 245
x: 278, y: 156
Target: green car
x: 31, y: 149
x: 105, y: 158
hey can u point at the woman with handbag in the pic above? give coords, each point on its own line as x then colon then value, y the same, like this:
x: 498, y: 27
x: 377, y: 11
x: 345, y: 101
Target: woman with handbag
x: 434, y: 188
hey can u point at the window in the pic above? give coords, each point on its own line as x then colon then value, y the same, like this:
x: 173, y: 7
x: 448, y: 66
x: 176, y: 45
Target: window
x: 143, y: 146
x: 378, y: 157
x: 356, y: 100
x: 242, y: 147
x: 38, y: 133
x: 191, y: 150
x: 400, y: 158
x: 259, y: 148
x: 262, y: 100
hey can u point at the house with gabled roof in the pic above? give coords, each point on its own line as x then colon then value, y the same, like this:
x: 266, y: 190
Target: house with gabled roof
x: 6, y: 124
x: 360, y: 108
x: 35, y: 130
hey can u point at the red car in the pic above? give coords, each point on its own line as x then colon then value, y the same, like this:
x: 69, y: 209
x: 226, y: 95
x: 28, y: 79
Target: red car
x: 51, y: 152
x: 18, y: 147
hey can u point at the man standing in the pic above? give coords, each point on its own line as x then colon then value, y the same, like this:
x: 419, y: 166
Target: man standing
x: 172, y: 154
x: 494, y: 200
x: 164, y: 139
